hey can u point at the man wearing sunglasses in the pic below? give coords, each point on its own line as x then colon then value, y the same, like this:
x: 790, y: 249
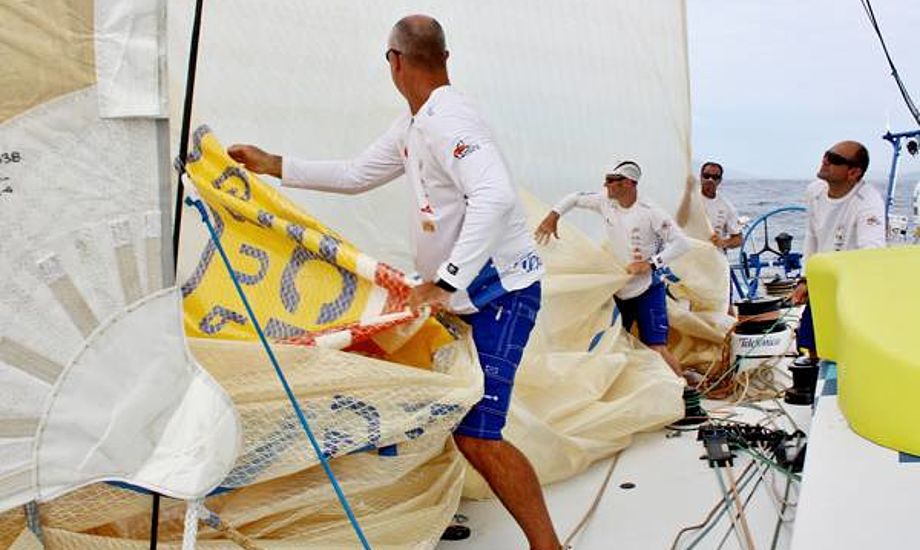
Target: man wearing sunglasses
x: 645, y: 239
x: 726, y: 229
x: 464, y: 198
x: 844, y: 213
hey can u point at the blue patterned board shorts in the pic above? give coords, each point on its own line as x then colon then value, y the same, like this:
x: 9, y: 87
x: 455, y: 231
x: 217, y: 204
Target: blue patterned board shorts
x: 500, y: 330
x: 650, y: 310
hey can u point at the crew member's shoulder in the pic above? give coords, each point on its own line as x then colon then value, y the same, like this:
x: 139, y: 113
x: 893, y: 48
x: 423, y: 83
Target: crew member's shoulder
x: 725, y: 202
x: 651, y: 207
x: 868, y: 194
x: 447, y: 110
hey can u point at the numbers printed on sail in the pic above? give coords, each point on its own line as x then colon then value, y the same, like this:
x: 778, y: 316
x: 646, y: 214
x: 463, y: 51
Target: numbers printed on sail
x: 9, y: 157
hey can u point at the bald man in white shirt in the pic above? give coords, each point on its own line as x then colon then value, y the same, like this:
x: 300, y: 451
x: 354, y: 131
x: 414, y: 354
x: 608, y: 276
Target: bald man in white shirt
x: 844, y: 213
x: 474, y: 252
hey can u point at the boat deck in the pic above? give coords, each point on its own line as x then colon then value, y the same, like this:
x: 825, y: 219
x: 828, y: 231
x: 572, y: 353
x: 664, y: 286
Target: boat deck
x: 659, y: 485
x: 855, y: 494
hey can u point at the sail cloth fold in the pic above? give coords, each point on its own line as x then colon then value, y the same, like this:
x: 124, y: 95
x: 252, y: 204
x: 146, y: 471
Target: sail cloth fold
x: 585, y: 386
x: 97, y: 381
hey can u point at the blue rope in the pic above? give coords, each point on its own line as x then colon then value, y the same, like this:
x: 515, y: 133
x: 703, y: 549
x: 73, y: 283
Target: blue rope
x: 287, y: 388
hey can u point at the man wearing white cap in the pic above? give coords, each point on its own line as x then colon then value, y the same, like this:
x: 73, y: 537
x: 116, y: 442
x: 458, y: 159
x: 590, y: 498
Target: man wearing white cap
x: 645, y: 239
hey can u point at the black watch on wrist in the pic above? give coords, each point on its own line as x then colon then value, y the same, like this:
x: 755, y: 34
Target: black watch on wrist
x: 444, y: 285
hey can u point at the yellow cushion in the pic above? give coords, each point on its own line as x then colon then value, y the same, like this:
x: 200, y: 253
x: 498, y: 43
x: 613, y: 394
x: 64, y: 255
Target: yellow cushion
x: 866, y: 307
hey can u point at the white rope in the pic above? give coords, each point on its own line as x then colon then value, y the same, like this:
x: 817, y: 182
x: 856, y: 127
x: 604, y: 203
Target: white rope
x: 593, y: 508
x: 192, y: 512
x: 213, y: 521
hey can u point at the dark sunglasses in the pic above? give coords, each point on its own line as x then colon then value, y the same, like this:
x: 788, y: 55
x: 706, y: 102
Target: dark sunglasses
x: 391, y: 51
x: 713, y: 177
x: 838, y: 159
x: 613, y: 179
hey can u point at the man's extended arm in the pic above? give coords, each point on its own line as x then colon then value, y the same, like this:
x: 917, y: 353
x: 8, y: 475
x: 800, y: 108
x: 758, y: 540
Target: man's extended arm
x: 549, y: 225
x: 378, y: 164
x: 675, y: 242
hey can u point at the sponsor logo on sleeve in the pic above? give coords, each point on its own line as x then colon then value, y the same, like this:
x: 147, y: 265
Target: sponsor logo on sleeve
x: 529, y: 263
x: 452, y: 269
x: 462, y: 150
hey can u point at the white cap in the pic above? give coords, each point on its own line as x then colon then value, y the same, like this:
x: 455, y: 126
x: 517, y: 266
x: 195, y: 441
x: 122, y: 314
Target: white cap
x: 627, y: 169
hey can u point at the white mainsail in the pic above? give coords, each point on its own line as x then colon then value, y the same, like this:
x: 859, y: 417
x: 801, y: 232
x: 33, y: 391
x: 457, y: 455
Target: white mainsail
x: 569, y: 90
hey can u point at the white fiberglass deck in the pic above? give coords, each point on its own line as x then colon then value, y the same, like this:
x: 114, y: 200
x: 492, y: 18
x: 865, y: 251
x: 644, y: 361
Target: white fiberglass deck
x: 855, y: 494
x: 673, y: 489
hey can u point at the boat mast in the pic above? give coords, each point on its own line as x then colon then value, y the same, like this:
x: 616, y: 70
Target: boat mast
x: 186, y: 124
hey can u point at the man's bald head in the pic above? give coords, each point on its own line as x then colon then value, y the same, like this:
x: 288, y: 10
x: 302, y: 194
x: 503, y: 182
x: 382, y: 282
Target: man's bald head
x: 420, y: 40
x: 845, y: 163
x: 855, y: 151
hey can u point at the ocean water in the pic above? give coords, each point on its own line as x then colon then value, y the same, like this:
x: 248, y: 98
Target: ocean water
x: 754, y: 198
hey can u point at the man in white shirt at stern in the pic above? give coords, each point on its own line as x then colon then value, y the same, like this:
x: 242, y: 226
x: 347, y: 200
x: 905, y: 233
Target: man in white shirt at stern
x: 844, y: 213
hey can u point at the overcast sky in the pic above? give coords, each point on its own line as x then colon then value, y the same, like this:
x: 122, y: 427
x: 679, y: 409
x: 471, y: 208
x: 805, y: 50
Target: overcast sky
x: 776, y: 82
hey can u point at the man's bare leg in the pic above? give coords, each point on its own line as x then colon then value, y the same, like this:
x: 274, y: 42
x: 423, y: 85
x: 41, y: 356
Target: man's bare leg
x: 669, y: 358
x: 693, y: 379
x: 514, y: 482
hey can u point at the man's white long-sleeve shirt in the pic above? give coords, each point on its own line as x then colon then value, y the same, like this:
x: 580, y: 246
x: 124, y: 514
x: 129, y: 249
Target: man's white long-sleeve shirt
x: 643, y: 232
x: 469, y: 228
x: 854, y: 221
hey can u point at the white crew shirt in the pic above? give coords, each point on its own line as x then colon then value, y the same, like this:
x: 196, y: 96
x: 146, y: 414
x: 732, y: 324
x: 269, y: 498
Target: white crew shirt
x: 851, y: 222
x: 469, y: 228
x: 722, y: 216
x: 642, y: 232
